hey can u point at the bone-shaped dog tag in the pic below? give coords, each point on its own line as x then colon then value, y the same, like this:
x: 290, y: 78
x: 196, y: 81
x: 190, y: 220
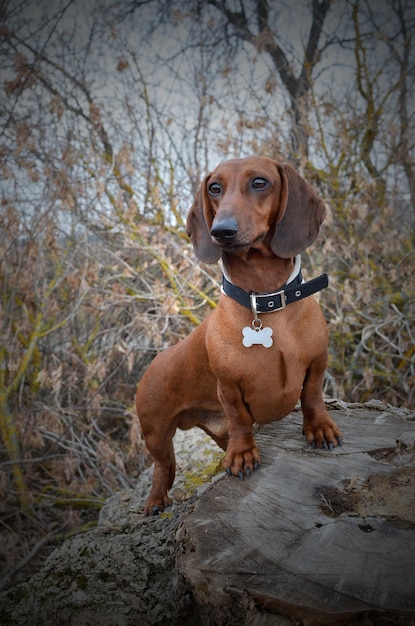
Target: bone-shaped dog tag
x: 257, y: 335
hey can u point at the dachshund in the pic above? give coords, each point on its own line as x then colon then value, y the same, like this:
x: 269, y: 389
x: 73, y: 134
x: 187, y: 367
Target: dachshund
x: 264, y: 346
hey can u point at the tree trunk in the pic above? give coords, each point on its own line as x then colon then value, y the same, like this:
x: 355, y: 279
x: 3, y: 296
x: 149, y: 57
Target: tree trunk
x: 313, y: 537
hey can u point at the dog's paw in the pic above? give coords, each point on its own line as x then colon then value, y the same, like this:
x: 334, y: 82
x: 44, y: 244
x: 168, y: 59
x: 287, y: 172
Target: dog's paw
x: 154, y: 506
x: 241, y: 464
x: 323, y: 434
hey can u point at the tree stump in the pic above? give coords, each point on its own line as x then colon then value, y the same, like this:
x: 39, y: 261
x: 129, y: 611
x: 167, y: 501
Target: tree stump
x: 313, y: 537
x: 319, y: 537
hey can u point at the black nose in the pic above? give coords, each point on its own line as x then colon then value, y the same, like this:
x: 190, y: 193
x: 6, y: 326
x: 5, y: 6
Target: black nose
x: 225, y: 230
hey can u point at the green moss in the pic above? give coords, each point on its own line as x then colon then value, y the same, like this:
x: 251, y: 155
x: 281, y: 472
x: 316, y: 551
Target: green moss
x: 84, y: 552
x: 15, y: 596
x: 82, y: 582
x: 66, y: 573
x: 202, y: 472
x: 166, y: 515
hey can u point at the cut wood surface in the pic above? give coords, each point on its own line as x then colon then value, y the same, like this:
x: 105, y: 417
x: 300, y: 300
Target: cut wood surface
x: 315, y: 535
x: 312, y: 537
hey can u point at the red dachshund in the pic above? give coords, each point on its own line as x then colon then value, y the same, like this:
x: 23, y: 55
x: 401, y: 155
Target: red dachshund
x: 265, y: 344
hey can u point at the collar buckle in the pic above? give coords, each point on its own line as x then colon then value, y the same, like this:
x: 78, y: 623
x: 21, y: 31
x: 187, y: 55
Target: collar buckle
x: 267, y: 302
x: 271, y: 302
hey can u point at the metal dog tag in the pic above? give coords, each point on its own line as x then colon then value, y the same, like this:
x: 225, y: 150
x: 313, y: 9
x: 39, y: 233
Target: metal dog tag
x: 257, y: 335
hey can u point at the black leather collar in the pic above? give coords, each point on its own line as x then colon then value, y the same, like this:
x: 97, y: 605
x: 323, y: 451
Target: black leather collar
x: 270, y: 302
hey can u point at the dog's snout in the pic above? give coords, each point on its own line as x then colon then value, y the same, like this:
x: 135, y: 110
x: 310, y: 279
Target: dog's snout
x: 225, y: 230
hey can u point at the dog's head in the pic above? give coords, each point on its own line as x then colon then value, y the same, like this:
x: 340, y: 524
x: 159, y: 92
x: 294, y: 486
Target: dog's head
x: 245, y: 202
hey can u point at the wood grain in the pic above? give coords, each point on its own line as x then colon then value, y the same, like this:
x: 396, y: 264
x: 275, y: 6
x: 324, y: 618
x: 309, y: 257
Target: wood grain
x: 319, y: 536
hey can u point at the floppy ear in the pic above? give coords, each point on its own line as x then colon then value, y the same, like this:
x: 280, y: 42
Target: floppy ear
x: 198, y: 225
x: 302, y: 214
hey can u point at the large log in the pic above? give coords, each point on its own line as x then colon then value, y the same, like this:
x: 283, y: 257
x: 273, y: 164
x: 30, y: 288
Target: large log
x: 313, y: 537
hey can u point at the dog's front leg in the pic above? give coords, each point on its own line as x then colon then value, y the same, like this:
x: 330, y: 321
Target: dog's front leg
x: 242, y: 455
x: 319, y: 427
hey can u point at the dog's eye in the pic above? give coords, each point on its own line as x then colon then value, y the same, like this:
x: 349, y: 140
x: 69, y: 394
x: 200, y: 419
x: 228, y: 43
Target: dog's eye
x: 215, y: 189
x: 260, y: 183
